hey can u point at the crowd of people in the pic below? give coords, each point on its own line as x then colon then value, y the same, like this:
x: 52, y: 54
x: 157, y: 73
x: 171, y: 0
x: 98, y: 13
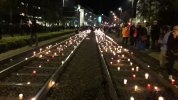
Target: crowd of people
x: 144, y: 36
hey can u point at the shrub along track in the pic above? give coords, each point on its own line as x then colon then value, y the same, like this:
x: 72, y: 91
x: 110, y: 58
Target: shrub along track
x: 34, y: 76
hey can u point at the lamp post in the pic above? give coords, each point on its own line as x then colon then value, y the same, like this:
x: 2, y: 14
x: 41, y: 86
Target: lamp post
x: 120, y: 9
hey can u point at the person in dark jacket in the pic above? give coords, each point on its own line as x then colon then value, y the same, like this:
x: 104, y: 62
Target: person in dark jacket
x: 171, y: 48
x: 132, y: 31
x: 34, y: 32
x: 155, y: 32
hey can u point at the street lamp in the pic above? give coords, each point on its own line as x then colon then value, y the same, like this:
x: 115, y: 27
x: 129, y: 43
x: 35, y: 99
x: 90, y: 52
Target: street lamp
x: 120, y: 9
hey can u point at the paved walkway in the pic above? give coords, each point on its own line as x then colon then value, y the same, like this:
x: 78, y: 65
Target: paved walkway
x: 18, y: 51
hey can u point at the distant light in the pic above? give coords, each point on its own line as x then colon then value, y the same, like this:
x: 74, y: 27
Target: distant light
x: 22, y: 3
x: 120, y: 8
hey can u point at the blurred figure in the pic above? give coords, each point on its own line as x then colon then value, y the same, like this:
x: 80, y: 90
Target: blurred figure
x: 34, y: 33
x: 125, y: 35
x: 155, y: 32
x: 132, y: 31
x: 142, y: 37
x: 171, y: 48
x: 163, y: 44
x: 148, y: 27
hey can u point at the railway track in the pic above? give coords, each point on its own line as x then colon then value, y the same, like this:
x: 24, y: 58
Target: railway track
x: 84, y: 67
x: 129, y: 78
x: 32, y: 77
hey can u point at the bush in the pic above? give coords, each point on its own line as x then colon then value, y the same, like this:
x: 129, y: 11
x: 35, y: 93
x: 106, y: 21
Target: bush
x: 20, y: 41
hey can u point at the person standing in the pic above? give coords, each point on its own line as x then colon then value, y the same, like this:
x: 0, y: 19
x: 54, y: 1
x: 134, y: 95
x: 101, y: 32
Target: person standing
x: 163, y: 44
x: 171, y: 48
x: 155, y: 32
x: 125, y: 35
x: 34, y: 32
x: 132, y: 31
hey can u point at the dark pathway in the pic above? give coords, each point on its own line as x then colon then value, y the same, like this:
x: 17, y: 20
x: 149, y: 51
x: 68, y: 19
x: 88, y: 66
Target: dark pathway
x: 83, y: 77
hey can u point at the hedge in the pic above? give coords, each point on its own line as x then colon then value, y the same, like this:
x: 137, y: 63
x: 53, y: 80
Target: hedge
x: 10, y: 43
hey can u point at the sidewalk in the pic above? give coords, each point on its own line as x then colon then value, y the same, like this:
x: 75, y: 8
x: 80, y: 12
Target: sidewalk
x: 18, y: 51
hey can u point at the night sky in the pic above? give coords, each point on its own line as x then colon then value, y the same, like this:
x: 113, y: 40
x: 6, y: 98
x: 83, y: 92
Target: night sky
x: 105, y: 6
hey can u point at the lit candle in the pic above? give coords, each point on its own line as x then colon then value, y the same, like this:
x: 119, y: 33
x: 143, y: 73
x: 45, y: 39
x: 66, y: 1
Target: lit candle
x: 134, y: 76
x: 133, y: 69
x: 28, y: 83
x: 146, y: 75
x: 55, y: 54
x: 137, y: 68
x: 122, y: 56
x: 34, y: 72
x: 33, y: 98
x: 131, y: 63
x: 173, y: 81
x: 125, y: 81
x: 128, y: 60
x: 118, y: 68
x: 34, y: 53
x: 62, y: 62
x: 148, y: 86
x: 40, y: 49
x: 156, y: 88
x: 118, y: 61
x: 41, y: 56
x: 160, y: 98
x: 131, y: 98
x: 136, y: 87
x: 20, y: 96
x: 148, y: 66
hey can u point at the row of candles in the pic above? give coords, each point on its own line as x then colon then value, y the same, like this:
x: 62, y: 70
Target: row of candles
x: 109, y: 47
x: 72, y: 41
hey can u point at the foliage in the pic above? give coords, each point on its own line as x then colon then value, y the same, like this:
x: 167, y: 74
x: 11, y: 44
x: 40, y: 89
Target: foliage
x: 20, y: 41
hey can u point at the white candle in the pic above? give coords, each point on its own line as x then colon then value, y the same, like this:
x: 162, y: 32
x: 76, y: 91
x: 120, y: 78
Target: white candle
x: 118, y: 61
x: 131, y: 63
x: 41, y: 56
x: 160, y: 98
x: 131, y: 98
x: 146, y: 75
x: 148, y: 66
x: 125, y: 81
x: 133, y: 69
x: 137, y: 68
x: 118, y: 68
x: 129, y: 60
x: 136, y: 87
x: 20, y: 96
